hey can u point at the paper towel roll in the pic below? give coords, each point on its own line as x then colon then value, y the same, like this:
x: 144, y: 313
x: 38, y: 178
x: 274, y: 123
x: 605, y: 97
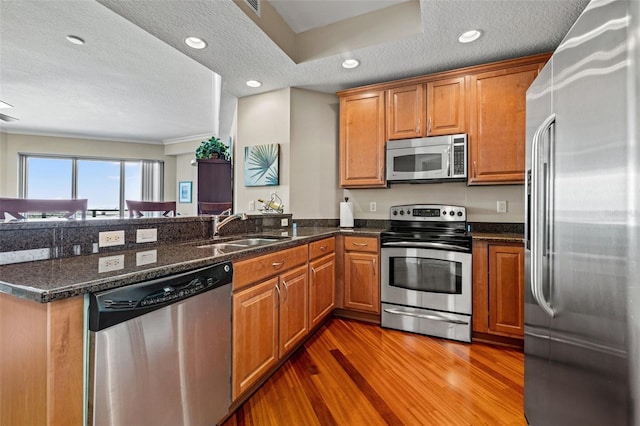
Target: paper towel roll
x: 346, y: 214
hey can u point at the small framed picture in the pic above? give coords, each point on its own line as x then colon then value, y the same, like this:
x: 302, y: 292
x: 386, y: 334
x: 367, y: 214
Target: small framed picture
x: 184, y: 191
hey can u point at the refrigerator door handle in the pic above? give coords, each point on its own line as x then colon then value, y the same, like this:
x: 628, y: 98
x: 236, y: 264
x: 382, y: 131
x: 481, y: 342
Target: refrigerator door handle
x: 538, y: 229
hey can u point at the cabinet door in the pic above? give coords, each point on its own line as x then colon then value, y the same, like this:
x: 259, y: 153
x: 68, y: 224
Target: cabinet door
x: 497, y: 124
x: 506, y: 289
x: 405, y: 112
x: 362, y: 139
x: 294, y: 312
x: 255, y: 334
x: 321, y: 288
x: 446, y: 107
x: 361, y: 282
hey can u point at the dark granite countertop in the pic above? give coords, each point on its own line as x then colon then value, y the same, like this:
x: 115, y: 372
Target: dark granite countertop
x: 48, y: 280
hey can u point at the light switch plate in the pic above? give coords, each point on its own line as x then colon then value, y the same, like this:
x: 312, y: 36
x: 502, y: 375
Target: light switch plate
x: 146, y: 257
x: 284, y: 222
x: 146, y: 235
x: 372, y: 206
x: 501, y: 207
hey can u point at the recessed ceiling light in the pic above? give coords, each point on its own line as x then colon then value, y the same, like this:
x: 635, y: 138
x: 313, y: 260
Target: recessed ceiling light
x: 5, y: 105
x: 254, y: 83
x: 75, y: 40
x: 195, y: 42
x: 469, y: 36
x: 350, y: 63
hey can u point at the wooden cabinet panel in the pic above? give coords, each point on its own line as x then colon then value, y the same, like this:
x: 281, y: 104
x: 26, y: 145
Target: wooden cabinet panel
x: 362, y: 140
x: 361, y: 281
x: 498, y: 289
x: 366, y: 244
x: 322, y: 247
x: 246, y: 272
x: 497, y: 124
x: 294, y: 312
x: 255, y: 334
x: 446, y: 107
x: 41, y: 361
x: 322, y: 291
x: 506, y: 289
x: 405, y: 112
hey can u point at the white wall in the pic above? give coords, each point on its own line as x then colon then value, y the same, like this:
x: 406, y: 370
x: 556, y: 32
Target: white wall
x: 30, y: 144
x: 314, y: 191
x: 263, y: 119
x: 479, y: 200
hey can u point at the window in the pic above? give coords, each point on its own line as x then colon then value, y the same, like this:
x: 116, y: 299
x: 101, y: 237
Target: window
x: 106, y: 183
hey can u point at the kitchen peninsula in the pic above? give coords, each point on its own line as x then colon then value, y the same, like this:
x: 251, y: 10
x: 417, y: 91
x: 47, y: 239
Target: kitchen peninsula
x: 43, y: 331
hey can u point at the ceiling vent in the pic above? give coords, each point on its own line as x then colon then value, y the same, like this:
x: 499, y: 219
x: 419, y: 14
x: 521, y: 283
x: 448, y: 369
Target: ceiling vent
x: 254, y: 5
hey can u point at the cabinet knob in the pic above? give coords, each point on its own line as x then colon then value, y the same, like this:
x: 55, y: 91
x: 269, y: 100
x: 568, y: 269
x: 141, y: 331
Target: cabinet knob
x: 323, y: 248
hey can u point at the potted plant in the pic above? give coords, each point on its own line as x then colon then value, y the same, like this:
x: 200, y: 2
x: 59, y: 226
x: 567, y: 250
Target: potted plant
x: 211, y: 149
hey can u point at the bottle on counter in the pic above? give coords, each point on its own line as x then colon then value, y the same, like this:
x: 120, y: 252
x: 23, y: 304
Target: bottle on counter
x: 272, y: 205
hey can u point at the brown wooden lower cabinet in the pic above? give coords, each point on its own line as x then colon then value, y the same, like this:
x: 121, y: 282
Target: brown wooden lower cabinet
x: 270, y: 317
x: 322, y: 292
x: 361, y: 274
x: 41, y: 361
x: 498, y: 289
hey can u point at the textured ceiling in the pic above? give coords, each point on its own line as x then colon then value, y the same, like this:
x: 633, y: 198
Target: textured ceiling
x: 155, y: 79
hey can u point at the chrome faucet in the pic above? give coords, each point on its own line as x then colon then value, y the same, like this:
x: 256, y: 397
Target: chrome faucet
x: 218, y: 224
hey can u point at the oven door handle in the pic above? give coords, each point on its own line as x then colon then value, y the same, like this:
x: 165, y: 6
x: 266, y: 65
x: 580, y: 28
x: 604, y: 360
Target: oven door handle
x: 426, y: 316
x: 423, y: 244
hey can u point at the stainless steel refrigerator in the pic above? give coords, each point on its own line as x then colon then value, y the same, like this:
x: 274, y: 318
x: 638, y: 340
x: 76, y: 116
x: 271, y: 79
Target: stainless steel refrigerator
x: 582, y: 301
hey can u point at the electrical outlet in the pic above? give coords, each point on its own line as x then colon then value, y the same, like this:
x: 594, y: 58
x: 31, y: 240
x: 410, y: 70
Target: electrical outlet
x: 146, y: 235
x: 252, y: 206
x: 110, y: 263
x: 501, y: 207
x: 110, y: 238
x: 284, y: 222
x: 372, y: 206
x: 146, y: 257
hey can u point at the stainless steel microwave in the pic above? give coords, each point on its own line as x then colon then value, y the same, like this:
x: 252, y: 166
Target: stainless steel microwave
x: 432, y: 159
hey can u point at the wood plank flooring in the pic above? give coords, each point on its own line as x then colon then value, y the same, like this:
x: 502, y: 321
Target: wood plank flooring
x: 352, y: 373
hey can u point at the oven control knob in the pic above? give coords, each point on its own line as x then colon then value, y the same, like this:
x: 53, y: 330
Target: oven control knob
x: 451, y: 213
x: 395, y: 212
x: 401, y: 212
x: 459, y: 213
x: 409, y: 212
x: 443, y: 213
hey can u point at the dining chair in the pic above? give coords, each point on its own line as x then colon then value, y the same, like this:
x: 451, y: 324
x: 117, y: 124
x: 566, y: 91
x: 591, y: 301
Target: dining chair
x: 137, y: 207
x: 19, y: 207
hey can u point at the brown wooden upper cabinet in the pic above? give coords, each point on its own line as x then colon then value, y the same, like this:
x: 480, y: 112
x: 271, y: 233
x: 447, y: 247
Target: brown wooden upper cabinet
x: 446, y: 106
x: 362, y: 140
x: 431, y: 109
x: 405, y: 112
x: 497, y: 124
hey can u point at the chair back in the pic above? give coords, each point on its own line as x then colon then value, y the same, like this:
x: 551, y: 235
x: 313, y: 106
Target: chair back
x: 17, y: 206
x: 137, y: 207
x: 213, y: 208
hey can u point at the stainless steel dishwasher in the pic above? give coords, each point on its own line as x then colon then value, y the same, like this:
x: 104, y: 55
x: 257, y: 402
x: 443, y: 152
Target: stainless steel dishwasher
x: 161, y: 350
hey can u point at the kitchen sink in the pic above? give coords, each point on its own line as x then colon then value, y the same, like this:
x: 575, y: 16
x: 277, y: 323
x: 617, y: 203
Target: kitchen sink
x: 234, y: 245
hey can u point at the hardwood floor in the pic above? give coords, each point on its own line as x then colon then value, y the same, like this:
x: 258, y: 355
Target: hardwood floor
x: 352, y: 373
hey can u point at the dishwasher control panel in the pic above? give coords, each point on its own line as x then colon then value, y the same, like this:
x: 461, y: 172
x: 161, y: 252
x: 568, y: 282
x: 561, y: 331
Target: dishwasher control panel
x: 114, y: 306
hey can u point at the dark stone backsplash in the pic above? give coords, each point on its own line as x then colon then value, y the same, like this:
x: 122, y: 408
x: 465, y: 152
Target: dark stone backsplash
x: 497, y: 228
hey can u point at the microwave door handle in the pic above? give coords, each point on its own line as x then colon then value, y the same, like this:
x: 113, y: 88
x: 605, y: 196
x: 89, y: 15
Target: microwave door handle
x: 449, y: 161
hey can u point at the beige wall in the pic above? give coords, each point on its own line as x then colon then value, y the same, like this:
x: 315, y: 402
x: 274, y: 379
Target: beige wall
x: 263, y: 119
x: 479, y: 200
x: 314, y: 190
x: 31, y: 144
x: 184, y: 152
x: 3, y: 166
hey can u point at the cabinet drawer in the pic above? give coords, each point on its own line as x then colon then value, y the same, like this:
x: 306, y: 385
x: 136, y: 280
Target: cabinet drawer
x: 322, y: 247
x: 246, y: 272
x: 368, y: 244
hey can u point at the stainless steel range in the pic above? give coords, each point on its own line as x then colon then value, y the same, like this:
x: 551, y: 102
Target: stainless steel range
x: 426, y: 271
